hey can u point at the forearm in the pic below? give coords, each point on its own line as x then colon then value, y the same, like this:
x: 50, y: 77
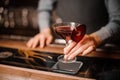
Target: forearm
x: 44, y: 18
x: 44, y: 13
x: 111, y: 30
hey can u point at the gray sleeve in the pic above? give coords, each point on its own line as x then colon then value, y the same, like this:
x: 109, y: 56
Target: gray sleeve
x: 112, y: 29
x: 44, y: 15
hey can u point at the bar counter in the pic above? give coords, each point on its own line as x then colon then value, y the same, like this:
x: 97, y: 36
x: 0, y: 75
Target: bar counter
x: 9, y: 72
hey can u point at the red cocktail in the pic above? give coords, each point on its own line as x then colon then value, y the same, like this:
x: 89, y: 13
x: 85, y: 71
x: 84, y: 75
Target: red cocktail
x: 70, y: 31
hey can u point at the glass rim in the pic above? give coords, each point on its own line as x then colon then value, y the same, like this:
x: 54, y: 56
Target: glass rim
x: 66, y: 23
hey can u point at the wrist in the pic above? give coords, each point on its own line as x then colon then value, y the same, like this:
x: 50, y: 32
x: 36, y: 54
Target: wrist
x: 46, y: 31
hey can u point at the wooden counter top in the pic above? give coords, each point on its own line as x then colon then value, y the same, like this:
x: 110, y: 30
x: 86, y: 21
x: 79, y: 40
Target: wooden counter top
x: 22, y: 45
x: 59, y: 49
x: 17, y: 73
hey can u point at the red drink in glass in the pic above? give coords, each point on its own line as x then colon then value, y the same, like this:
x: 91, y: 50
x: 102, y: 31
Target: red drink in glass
x: 64, y: 32
x: 71, y: 33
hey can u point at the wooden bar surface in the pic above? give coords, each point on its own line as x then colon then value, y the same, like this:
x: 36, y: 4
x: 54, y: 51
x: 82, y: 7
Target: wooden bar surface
x: 17, y: 73
x: 58, y: 49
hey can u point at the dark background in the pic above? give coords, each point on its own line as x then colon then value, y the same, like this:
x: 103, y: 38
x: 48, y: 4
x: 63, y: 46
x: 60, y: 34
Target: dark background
x: 18, y: 17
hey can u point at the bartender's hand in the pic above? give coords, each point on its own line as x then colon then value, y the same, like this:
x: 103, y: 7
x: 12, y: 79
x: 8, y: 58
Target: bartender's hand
x: 41, y: 39
x: 83, y: 47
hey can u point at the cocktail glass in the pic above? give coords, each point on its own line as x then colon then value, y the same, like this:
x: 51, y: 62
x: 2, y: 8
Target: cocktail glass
x: 70, y: 31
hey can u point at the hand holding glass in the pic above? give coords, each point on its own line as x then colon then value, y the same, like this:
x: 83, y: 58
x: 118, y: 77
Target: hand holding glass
x: 70, y: 31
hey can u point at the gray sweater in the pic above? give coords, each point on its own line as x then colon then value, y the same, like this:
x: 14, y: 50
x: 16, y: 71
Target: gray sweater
x: 108, y: 30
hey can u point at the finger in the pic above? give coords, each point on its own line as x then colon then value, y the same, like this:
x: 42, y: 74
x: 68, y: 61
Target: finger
x: 74, y: 54
x: 49, y: 40
x: 65, y: 57
x: 69, y: 47
x: 88, y: 50
x: 42, y: 41
x: 78, y: 51
x: 85, y: 39
x: 29, y: 43
x: 75, y: 48
x: 32, y: 43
